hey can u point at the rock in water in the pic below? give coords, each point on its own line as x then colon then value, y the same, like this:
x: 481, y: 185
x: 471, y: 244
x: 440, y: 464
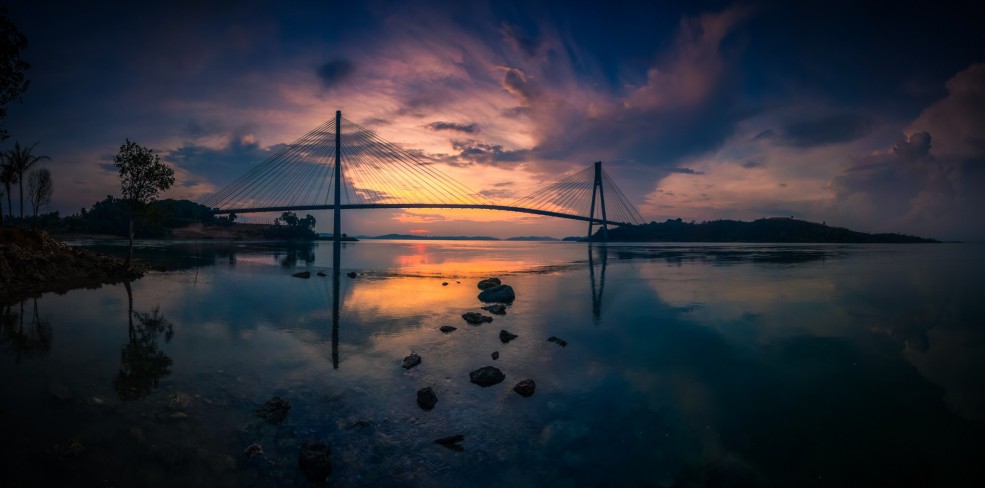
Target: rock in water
x: 411, y: 361
x: 476, y: 318
x: 557, y: 340
x: 302, y: 274
x: 451, y: 442
x: 505, y: 336
x: 321, y: 273
x: 447, y: 328
x: 487, y: 376
x: 499, y: 293
x: 351, y: 274
x: 525, y: 388
x: 489, y: 283
x: 275, y: 410
x: 426, y: 399
x: 252, y: 451
x: 496, y: 308
x: 495, y: 355
x: 315, y: 461
x: 444, y: 284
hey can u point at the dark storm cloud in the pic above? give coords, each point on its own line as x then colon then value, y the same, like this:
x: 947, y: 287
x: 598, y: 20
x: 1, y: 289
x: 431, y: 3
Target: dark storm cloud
x: 454, y: 127
x: 828, y: 129
x: 334, y: 72
x: 487, y: 154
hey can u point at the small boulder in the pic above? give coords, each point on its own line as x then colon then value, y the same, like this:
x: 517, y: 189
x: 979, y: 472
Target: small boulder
x: 252, y: 451
x: 487, y: 376
x: 499, y: 293
x: 444, y: 284
x: 495, y: 355
x: 315, y: 461
x: 351, y: 274
x: 557, y: 340
x: 506, y: 336
x: 275, y: 410
x: 411, y: 361
x: 496, y: 308
x: 476, y: 318
x: 321, y: 273
x: 302, y: 274
x: 525, y: 388
x: 447, y: 329
x: 489, y: 283
x: 426, y: 399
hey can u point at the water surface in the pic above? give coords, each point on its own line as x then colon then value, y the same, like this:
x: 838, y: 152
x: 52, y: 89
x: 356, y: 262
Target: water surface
x: 686, y: 365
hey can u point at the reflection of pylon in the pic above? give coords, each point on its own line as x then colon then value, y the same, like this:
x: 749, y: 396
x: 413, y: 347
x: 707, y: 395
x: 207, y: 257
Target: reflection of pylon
x: 600, y: 288
x: 598, y: 189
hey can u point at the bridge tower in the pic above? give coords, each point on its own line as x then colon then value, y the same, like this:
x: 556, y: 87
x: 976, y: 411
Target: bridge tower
x: 597, y: 188
x: 337, y: 229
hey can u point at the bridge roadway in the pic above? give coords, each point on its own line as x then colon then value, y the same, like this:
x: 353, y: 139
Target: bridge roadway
x: 506, y: 208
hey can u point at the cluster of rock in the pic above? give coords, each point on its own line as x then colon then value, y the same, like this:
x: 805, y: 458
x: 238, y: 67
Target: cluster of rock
x: 33, y: 262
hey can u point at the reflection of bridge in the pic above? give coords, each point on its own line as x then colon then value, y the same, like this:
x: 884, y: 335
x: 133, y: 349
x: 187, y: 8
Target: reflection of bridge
x: 308, y: 175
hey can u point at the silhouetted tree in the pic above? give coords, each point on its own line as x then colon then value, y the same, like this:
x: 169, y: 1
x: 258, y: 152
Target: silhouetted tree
x: 39, y: 188
x: 8, y: 177
x: 20, y: 159
x: 142, y: 177
x: 12, y: 67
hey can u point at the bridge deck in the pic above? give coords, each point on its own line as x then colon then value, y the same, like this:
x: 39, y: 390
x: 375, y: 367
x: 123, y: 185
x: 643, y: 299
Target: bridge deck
x: 505, y: 208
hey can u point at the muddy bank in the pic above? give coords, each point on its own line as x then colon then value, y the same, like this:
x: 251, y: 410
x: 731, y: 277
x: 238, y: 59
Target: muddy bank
x: 32, y: 262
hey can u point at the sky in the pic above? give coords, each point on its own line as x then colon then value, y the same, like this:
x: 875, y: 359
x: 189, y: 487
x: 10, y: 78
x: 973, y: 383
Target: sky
x: 865, y: 116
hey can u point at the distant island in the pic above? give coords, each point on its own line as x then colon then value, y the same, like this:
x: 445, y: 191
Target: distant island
x: 774, y: 229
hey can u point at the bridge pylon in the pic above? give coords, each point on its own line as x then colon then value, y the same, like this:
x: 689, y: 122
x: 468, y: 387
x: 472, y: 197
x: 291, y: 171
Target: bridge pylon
x: 598, y: 189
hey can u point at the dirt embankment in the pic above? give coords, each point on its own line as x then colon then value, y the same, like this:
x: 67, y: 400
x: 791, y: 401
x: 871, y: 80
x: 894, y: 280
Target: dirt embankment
x: 32, y: 262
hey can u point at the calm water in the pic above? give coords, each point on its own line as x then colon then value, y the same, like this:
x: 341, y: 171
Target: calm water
x: 686, y: 365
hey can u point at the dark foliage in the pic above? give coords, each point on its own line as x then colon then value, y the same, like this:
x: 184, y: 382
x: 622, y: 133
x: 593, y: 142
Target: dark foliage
x: 777, y: 229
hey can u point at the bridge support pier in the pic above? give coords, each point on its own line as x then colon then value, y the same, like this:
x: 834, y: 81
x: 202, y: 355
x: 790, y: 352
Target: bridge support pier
x: 597, y: 189
x: 337, y: 225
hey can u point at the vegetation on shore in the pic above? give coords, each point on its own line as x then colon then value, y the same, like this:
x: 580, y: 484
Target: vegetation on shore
x: 776, y: 229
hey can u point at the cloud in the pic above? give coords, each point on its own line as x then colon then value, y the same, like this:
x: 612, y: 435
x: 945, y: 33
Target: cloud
x: 454, y: 127
x: 957, y: 122
x: 828, y: 129
x: 334, y: 72
x: 487, y: 154
x: 685, y: 171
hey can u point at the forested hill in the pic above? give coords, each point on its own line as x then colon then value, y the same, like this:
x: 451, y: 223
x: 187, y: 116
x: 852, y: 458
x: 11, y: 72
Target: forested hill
x: 776, y: 229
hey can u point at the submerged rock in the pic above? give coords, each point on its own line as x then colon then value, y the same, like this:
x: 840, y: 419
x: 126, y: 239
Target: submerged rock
x: 499, y: 293
x: 411, y: 361
x: 557, y: 340
x: 496, y: 308
x: 252, y: 451
x: 351, y: 274
x: 321, y: 273
x: 444, y: 283
x: 495, y: 355
x: 302, y: 274
x: 315, y: 461
x: 275, y: 410
x: 525, y: 388
x: 488, y: 283
x: 506, y: 336
x: 476, y: 318
x: 447, y: 328
x: 487, y: 376
x: 426, y: 399
x: 451, y: 442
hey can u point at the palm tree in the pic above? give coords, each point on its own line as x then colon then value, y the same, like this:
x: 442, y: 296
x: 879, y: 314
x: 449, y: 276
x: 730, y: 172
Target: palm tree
x: 7, y: 177
x: 20, y: 160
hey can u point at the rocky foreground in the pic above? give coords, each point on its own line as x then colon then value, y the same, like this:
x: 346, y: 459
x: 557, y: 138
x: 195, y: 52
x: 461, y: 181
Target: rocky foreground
x: 32, y: 262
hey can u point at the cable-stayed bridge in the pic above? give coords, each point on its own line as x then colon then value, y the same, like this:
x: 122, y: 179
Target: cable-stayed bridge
x: 341, y: 165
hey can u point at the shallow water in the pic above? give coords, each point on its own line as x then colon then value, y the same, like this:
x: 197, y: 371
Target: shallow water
x: 686, y: 365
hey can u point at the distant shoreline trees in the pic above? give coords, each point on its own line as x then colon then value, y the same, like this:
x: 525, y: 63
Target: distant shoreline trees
x: 142, y: 177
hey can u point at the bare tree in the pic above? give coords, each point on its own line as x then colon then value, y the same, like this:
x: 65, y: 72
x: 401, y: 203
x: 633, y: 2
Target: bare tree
x: 39, y: 188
